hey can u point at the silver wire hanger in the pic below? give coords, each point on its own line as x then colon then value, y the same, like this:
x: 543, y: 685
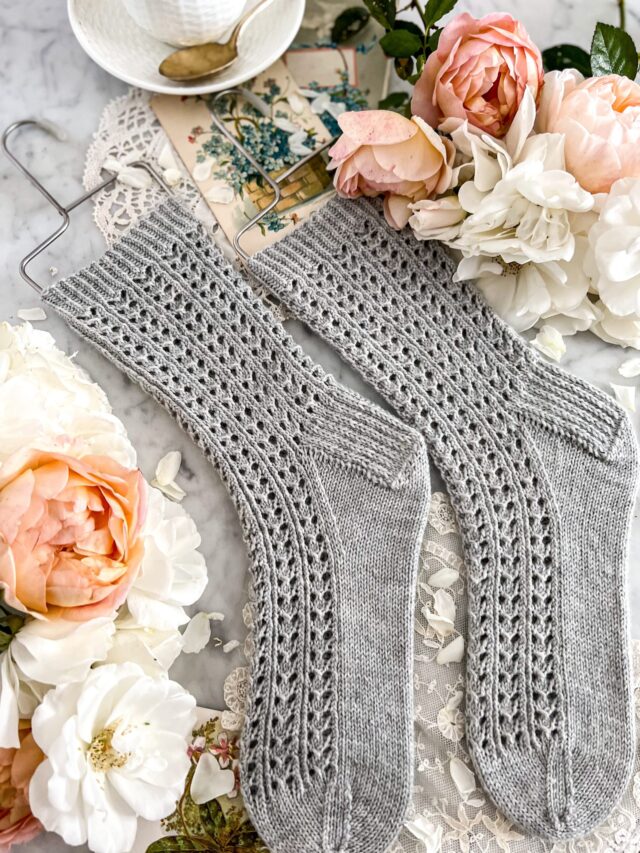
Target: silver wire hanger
x: 65, y: 210
x: 62, y: 209
x: 274, y: 183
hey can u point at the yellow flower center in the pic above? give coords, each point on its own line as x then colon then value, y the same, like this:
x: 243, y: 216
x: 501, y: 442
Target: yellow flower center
x: 102, y: 754
x: 512, y: 268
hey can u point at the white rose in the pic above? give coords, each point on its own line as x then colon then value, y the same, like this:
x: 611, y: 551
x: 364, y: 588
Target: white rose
x: 623, y: 331
x: 47, y: 401
x: 526, y: 216
x: 116, y: 748
x: 522, y: 294
x: 154, y: 650
x: 173, y: 573
x: 614, y: 258
x: 41, y: 654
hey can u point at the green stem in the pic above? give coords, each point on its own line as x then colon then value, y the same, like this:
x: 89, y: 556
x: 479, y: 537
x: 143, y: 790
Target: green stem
x: 623, y: 14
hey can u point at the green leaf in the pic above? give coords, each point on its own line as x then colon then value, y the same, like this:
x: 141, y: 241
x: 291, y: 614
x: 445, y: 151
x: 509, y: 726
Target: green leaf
x: 396, y: 101
x: 384, y: 11
x: 436, y: 9
x: 562, y: 56
x: 10, y: 623
x: 613, y: 52
x: 410, y: 27
x: 434, y: 38
x: 213, y: 819
x: 172, y: 844
x: 349, y: 23
x: 401, y: 44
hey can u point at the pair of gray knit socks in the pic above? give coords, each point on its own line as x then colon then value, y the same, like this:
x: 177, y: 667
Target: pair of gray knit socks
x: 332, y: 493
x: 542, y: 471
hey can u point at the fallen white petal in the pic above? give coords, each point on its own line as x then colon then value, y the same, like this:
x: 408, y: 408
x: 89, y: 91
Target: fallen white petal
x: 168, y: 467
x: 428, y: 833
x: 172, y: 177
x: 452, y: 653
x: 230, y: 646
x: 445, y: 577
x: 31, y: 315
x: 550, y: 343
x: 197, y: 634
x: 626, y: 396
x: 220, y: 192
x: 441, y: 625
x: 170, y: 490
x: 444, y: 604
x: 166, y: 160
x: 210, y: 781
x: 285, y: 124
x: 630, y: 368
x: 297, y: 103
x: 463, y: 778
x: 202, y: 171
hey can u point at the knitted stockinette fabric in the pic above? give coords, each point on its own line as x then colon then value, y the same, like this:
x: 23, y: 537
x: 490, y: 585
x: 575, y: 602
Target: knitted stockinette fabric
x: 332, y: 493
x: 542, y: 470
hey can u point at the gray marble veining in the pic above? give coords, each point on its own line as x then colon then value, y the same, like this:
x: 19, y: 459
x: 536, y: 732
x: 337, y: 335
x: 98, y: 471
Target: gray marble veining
x: 44, y: 73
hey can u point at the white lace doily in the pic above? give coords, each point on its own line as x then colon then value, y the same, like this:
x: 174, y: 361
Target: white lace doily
x: 128, y: 131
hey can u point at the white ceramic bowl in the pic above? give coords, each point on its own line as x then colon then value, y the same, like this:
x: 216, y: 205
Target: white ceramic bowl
x: 111, y: 37
x: 185, y: 22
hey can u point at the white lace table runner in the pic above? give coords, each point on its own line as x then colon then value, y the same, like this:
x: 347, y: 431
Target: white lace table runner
x: 449, y: 813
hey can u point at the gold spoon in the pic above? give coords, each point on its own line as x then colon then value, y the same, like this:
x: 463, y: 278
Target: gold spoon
x: 201, y: 60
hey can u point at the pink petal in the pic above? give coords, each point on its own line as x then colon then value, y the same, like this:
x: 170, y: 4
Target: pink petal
x: 376, y: 127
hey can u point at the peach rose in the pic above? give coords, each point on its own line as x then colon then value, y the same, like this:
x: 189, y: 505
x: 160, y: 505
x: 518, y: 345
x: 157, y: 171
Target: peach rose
x: 69, y: 533
x: 17, y: 766
x: 383, y: 152
x: 600, y: 120
x: 479, y: 71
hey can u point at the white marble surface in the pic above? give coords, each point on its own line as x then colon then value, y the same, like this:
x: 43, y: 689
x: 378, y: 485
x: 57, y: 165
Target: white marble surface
x: 44, y: 73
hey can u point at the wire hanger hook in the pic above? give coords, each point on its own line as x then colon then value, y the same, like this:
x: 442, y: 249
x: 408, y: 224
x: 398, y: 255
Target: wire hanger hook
x: 63, y: 210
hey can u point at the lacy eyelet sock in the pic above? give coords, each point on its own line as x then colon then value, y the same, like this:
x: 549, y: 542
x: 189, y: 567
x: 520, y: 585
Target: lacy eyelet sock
x: 332, y: 494
x: 542, y: 472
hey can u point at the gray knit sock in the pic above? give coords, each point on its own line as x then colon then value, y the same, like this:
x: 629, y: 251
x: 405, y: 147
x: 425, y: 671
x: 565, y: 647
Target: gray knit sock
x: 332, y: 493
x: 542, y: 471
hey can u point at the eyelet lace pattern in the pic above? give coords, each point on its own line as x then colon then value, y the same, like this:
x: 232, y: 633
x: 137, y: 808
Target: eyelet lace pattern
x: 173, y: 314
x: 451, y: 368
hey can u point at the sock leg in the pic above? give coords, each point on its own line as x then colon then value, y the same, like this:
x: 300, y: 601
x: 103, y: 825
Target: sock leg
x: 521, y: 447
x: 332, y: 494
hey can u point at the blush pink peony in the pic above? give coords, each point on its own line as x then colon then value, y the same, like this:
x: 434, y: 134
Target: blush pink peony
x: 381, y: 152
x: 600, y: 120
x: 479, y: 72
x: 17, y: 766
x: 69, y: 533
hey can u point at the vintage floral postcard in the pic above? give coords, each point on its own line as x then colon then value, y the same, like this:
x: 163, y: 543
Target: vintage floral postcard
x: 278, y: 126
x: 279, y: 123
x: 210, y: 814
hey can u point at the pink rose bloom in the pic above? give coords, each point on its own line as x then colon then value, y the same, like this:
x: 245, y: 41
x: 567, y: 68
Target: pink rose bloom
x: 17, y: 766
x: 69, y: 533
x: 600, y: 120
x: 479, y: 72
x: 381, y: 152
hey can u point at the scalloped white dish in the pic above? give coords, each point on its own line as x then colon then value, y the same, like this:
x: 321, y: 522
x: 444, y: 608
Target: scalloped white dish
x: 110, y: 36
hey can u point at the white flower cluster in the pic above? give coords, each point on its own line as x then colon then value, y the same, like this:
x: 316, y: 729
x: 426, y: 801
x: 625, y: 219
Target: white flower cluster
x: 113, y: 727
x: 544, y: 251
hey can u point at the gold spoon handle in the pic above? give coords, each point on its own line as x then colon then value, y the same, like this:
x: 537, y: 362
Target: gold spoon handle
x: 248, y: 15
